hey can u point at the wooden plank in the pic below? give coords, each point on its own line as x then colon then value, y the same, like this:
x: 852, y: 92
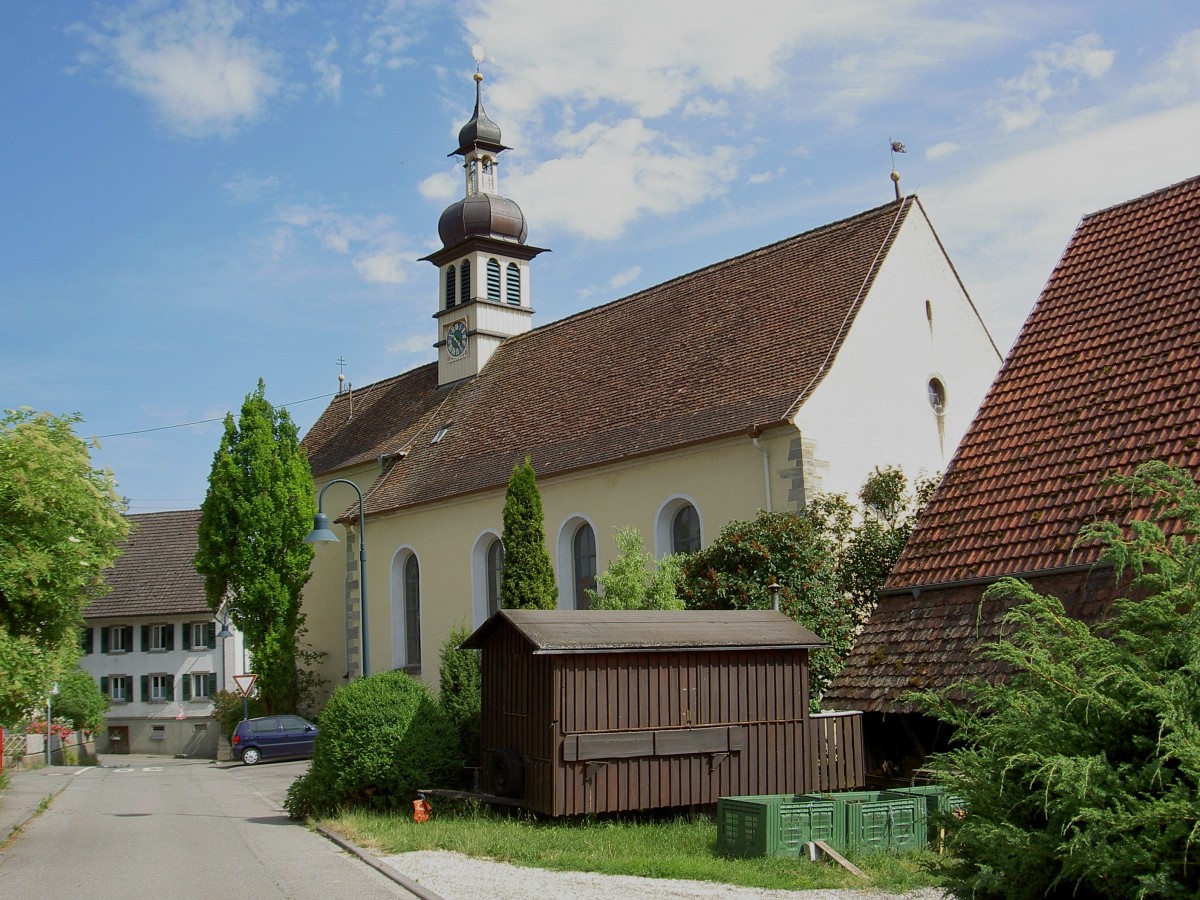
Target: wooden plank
x: 685, y: 741
x: 615, y: 744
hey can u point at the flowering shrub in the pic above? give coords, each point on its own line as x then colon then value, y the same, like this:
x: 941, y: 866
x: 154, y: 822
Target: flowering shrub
x: 59, y: 729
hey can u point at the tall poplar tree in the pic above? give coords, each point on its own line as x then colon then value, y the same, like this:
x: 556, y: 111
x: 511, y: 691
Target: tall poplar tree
x: 252, y: 553
x: 527, y: 581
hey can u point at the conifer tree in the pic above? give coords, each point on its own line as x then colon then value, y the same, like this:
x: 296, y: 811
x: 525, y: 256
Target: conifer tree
x: 527, y: 581
x: 251, y: 542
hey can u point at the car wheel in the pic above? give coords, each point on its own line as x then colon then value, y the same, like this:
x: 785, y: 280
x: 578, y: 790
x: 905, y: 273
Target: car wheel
x: 251, y: 755
x: 508, y: 773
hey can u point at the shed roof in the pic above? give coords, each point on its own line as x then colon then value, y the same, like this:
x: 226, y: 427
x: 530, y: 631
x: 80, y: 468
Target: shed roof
x: 670, y: 366
x: 156, y: 573
x: 615, y: 631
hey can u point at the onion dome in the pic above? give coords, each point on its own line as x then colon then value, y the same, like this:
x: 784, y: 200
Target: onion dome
x: 480, y: 132
x: 482, y: 215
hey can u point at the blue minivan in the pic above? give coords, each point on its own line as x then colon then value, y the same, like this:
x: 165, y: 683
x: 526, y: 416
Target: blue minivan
x: 273, y: 737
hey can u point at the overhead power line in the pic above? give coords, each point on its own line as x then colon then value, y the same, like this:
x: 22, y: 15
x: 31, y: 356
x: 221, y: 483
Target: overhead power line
x: 220, y: 418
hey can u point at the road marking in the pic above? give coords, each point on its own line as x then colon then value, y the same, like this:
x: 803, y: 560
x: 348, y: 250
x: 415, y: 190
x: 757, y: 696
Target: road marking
x: 153, y: 769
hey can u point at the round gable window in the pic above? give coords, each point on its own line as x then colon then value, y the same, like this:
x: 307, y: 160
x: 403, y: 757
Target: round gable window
x: 937, y: 395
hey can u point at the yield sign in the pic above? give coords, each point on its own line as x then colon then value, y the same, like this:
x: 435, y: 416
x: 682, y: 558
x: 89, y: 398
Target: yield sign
x: 245, y: 683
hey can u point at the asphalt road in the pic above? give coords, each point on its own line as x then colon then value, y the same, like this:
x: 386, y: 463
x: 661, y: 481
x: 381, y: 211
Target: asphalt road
x: 177, y: 828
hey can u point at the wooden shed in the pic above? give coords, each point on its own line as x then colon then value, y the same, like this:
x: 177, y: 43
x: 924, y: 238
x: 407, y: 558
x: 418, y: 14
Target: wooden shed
x: 590, y: 711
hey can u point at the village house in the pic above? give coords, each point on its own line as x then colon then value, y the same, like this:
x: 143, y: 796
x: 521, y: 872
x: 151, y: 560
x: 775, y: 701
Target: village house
x: 752, y: 384
x: 152, y: 644
x: 1105, y: 375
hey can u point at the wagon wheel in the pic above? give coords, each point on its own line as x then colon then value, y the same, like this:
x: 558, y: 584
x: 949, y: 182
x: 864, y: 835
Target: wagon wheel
x: 508, y: 773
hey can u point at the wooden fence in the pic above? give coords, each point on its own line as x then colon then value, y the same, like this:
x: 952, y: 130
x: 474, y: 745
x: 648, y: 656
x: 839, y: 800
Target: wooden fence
x: 835, y: 751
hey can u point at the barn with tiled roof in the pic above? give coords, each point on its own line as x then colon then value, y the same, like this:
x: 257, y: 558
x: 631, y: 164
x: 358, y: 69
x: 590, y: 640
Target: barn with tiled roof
x: 753, y: 383
x: 1104, y: 375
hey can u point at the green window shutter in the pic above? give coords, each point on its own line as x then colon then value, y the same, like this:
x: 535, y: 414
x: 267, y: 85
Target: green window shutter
x: 170, y: 642
x: 187, y: 687
x: 104, y: 685
x: 145, y: 688
x: 171, y: 688
x: 145, y: 637
x: 210, y: 634
x: 88, y: 641
x: 212, y: 684
x: 103, y: 639
x: 129, y: 638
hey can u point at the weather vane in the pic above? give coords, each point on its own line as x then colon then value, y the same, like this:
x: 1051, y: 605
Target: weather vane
x: 897, y: 147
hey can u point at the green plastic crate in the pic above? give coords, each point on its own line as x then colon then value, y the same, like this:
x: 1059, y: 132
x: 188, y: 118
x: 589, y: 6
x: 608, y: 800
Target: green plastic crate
x: 879, y: 820
x: 937, y: 800
x: 773, y: 824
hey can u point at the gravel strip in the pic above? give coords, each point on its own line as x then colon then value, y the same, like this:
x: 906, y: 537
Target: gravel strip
x: 458, y: 877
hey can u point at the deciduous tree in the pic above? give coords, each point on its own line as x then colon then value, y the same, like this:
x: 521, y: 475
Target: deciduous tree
x: 634, y: 580
x: 61, y: 524
x: 527, y: 581
x: 252, y: 554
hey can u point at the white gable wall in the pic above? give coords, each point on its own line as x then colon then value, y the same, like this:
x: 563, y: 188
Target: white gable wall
x: 872, y: 408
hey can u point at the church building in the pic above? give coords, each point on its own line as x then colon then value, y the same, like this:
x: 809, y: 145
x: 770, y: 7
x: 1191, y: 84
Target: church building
x: 755, y: 383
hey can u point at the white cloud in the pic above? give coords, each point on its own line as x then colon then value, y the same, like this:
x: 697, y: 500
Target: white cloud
x: 379, y: 253
x: 381, y: 267
x: 440, y: 186
x: 1176, y: 77
x: 767, y: 177
x: 942, y: 150
x: 1034, y: 201
x: 246, y: 188
x: 1055, y: 71
x: 624, y: 277
x: 189, y: 62
x: 329, y: 73
x: 609, y: 176
x: 416, y: 343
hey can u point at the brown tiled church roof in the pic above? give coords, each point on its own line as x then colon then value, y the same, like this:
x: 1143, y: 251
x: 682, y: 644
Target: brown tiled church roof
x: 709, y: 354
x: 155, y: 574
x: 1104, y: 375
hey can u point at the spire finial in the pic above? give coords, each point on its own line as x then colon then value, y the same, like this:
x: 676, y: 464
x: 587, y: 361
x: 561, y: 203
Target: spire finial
x: 897, y: 147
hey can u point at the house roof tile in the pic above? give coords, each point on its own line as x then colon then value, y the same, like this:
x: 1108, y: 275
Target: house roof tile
x: 1104, y: 375
x: 155, y: 574
x: 712, y: 353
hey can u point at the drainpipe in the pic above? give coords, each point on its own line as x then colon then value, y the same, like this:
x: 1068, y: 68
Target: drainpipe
x: 755, y: 431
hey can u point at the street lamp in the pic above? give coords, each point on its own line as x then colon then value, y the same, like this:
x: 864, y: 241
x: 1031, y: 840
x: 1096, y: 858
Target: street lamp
x: 321, y: 534
x: 49, y: 717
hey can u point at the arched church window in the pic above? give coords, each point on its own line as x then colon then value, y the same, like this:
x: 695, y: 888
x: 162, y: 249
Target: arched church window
x: 493, y: 279
x: 495, y: 573
x: 685, y: 530
x: 464, y: 281
x: 514, y: 284
x: 583, y: 561
x: 412, y: 613
x: 449, y: 287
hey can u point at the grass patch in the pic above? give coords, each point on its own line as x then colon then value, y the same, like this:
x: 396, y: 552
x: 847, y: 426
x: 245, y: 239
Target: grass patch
x: 653, y: 847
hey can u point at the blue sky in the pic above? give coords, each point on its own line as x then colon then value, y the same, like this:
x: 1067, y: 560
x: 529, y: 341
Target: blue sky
x: 200, y: 194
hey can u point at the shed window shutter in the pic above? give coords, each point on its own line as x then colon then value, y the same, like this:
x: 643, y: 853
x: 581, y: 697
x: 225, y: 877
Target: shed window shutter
x: 187, y: 687
x: 145, y: 687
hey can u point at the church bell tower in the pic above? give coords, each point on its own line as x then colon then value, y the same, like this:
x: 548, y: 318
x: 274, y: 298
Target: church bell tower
x: 483, y: 266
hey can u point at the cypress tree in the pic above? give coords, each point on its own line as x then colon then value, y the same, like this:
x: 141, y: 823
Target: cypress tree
x: 527, y: 581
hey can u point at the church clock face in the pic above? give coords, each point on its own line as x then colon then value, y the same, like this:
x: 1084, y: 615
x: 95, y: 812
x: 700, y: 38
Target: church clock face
x: 456, y: 338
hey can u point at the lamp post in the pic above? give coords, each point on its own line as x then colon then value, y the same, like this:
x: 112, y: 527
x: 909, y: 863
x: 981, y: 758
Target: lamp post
x: 321, y: 533
x: 49, y: 717
x: 224, y: 634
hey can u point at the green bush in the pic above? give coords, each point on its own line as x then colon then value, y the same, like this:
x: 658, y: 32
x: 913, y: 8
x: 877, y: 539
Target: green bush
x: 80, y: 702
x: 461, y: 692
x: 381, y: 739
